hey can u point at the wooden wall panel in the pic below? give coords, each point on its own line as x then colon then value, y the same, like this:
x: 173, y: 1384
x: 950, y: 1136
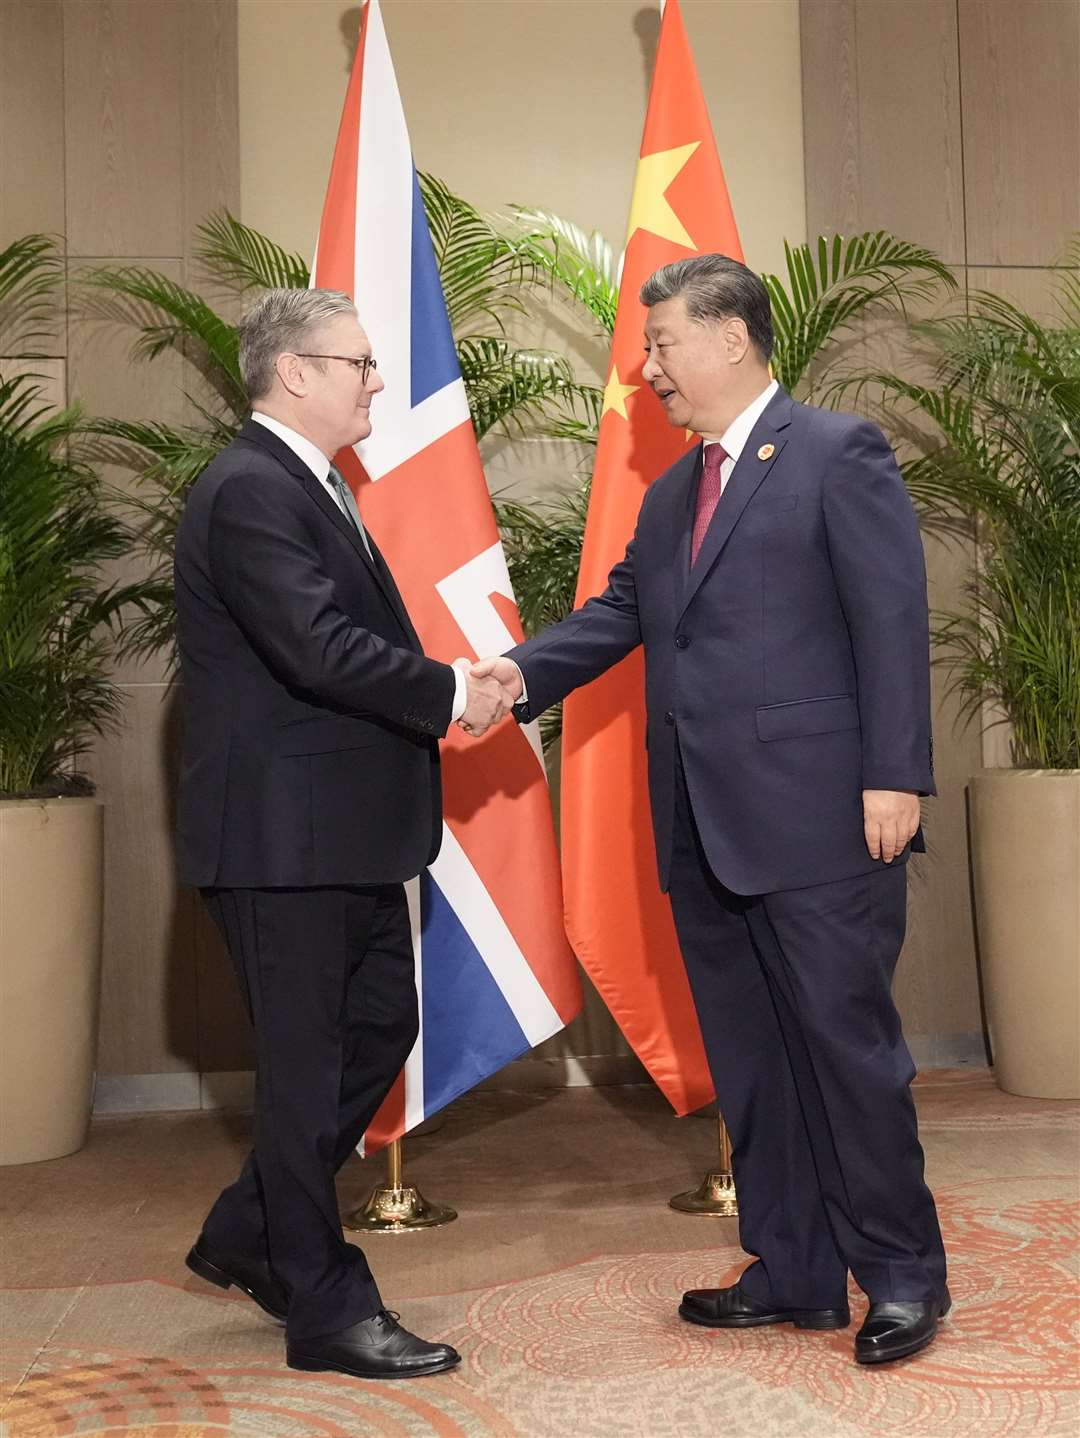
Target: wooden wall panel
x: 1021, y: 65
x: 32, y: 129
x: 211, y: 78
x: 119, y: 127
x: 225, y: 1043
x: 31, y: 102
x: 910, y: 172
x: 936, y: 983
x: 49, y: 374
x: 148, y: 1009
x: 1034, y: 290
x: 103, y: 374
x: 123, y: 125
x: 830, y: 117
x: 1000, y: 217
x: 866, y: 63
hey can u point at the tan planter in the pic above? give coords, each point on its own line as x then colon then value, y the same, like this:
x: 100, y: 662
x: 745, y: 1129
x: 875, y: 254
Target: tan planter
x: 50, y: 968
x: 1025, y: 835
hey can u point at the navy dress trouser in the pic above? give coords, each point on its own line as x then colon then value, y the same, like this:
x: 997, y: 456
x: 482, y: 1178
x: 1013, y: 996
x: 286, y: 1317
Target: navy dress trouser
x: 812, y: 1076
x: 328, y: 978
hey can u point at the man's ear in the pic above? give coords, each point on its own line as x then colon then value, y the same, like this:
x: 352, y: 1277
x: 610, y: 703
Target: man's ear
x: 736, y: 339
x: 290, y: 371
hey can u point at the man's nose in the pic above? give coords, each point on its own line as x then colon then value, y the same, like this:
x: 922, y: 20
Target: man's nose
x: 650, y: 369
x: 375, y: 381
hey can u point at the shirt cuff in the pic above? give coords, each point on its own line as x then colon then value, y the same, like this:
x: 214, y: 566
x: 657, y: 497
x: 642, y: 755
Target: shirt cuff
x: 461, y: 696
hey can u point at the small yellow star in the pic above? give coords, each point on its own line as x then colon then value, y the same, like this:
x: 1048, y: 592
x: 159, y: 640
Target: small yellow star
x: 649, y: 210
x: 616, y: 394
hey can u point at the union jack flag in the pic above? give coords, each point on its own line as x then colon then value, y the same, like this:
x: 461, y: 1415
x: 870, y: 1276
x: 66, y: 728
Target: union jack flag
x: 494, y: 972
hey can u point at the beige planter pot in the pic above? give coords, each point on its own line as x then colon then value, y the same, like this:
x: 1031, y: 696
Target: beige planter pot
x: 50, y: 969
x: 1025, y: 835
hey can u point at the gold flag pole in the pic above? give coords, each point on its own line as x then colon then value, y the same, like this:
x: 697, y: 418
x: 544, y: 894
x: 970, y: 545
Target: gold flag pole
x: 716, y: 1193
x: 396, y: 1207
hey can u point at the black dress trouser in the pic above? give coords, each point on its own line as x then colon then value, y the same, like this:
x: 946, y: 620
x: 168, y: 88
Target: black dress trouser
x: 328, y: 978
x: 812, y: 1075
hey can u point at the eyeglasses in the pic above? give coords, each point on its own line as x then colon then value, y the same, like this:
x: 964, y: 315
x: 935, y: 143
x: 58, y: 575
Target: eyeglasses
x: 362, y: 364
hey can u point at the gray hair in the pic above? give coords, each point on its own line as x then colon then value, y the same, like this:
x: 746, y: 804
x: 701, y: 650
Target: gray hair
x: 279, y: 322
x: 715, y: 287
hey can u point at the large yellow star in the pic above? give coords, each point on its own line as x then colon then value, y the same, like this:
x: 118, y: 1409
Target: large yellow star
x: 649, y: 210
x: 615, y: 394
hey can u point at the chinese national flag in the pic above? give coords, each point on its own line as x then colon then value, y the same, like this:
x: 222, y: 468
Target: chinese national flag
x: 618, y: 921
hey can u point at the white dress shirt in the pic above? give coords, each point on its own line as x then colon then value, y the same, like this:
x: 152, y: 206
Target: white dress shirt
x: 319, y: 464
x: 738, y: 432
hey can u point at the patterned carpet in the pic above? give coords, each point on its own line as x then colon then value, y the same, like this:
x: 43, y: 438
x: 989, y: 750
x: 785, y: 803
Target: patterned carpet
x: 592, y: 1346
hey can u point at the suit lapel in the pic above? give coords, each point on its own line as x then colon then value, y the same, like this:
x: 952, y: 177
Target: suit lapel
x: 259, y: 434
x: 682, y: 522
x: 748, y: 474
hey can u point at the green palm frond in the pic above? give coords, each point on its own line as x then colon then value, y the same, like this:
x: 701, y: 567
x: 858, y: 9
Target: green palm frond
x: 1004, y: 459
x: 60, y: 618
x: 479, y: 271
x: 168, y: 459
x: 244, y: 257
x: 832, y: 284
x: 521, y: 391
x: 170, y: 317
x: 542, y: 543
x: 31, y: 275
x: 581, y: 266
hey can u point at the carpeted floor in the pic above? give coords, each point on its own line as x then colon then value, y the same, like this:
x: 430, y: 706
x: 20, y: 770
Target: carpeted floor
x: 558, y: 1283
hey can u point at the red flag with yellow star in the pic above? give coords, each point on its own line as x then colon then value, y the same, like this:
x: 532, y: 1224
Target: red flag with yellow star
x: 618, y: 921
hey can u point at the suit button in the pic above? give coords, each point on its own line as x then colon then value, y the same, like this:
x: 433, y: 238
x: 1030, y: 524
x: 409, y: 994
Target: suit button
x: 669, y: 717
x: 681, y: 641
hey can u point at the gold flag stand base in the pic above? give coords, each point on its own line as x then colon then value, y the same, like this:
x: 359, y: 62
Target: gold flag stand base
x: 395, y: 1206
x: 715, y: 1194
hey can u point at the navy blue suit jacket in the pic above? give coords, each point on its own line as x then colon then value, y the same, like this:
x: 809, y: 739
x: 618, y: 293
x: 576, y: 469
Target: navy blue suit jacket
x: 310, y: 752
x: 791, y: 663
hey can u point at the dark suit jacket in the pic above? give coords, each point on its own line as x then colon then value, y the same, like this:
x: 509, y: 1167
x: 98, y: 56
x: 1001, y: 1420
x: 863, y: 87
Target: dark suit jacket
x: 792, y: 662
x: 311, y: 711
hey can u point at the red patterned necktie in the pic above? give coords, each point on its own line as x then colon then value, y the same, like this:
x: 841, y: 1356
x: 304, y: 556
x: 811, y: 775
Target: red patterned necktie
x: 708, y: 496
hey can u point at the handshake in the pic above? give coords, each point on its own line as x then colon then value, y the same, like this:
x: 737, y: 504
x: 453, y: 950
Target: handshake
x: 492, y: 688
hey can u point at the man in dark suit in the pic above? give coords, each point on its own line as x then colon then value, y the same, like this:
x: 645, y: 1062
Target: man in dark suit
x: 309, y: 793
x: 776, y: 580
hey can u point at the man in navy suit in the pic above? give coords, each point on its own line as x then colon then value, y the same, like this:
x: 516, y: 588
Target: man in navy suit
x: 776, y: 579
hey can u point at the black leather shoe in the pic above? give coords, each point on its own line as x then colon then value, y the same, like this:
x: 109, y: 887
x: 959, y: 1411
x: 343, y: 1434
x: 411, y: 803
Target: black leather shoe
x: 251, y: 1275
x: 898, y: 1329
x: 375, y: 1347
x: 731, y: 1308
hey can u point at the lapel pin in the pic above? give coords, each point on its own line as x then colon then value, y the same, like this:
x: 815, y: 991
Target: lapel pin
x: 766, y: 451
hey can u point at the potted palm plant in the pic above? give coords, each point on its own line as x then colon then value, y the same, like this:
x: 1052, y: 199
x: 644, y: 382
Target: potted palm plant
x: 1004, y: 462
x: 58, y: 635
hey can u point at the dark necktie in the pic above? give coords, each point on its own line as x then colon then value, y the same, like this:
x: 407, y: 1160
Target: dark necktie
x: 708, y: 496
x: 349, y: 505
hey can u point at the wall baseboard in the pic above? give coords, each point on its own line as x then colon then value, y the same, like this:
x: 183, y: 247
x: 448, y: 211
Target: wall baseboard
x: 174, y: 1092
x: 948, y: 1051
x: 233, y: 1092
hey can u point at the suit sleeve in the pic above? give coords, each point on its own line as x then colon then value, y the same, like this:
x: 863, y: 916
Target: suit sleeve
x: 877, y: 560
x: 583, y: 645
x: 266, y: 566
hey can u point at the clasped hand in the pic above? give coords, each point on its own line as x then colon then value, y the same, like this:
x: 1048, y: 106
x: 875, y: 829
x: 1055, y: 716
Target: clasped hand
x: 493, y: 687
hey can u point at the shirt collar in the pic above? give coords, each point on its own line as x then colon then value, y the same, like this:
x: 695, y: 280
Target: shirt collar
x: 738, y: 431
x: 300, y: 445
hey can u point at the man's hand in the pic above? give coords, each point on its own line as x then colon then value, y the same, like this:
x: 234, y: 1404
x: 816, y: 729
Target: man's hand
x: 890, y: 819
x: 505, y: 671
x: 486, y: 701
